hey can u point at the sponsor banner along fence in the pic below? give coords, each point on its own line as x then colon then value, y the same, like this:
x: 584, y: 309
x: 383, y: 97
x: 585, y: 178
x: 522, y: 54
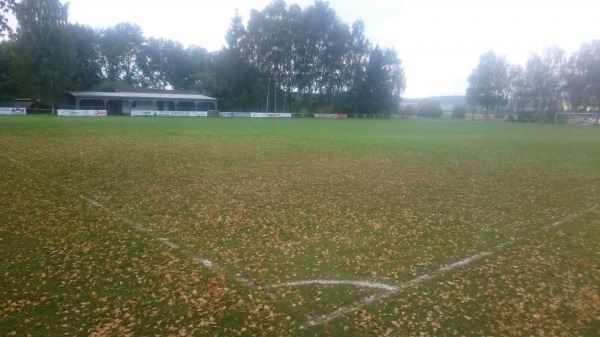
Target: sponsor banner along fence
x: 256, y: 114
x: 13, y: 111
x: 93, y: 113
x: 279, y: 115
x: 138, y: 113
x: 336, y: 116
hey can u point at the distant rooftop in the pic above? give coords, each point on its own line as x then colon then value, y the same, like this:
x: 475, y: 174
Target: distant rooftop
x: 17, y: 103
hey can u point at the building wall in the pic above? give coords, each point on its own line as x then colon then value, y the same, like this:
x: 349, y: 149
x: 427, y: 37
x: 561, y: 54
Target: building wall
x: 144, y: 105
x: 126, y: 107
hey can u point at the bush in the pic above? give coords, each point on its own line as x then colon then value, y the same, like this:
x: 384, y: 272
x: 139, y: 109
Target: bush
x: 429, y: 108
x: 500, y: 114
x: 459, y: 112
x: 409, y: 111
x: 525, y: 116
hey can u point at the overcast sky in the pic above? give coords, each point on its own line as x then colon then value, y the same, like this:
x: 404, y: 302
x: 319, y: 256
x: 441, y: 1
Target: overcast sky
x: 438, y: 41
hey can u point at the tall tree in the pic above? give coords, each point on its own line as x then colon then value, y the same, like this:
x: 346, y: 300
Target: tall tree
x: 323, y: 48
x: 200, y: 75
x: 269, y: 40
x: 164, y: 64
x: 517, y: 88
x: 329, y: 40
x: 544, y: 81
x: 88, y: 70
x: 6, y: 7
x: 583, y: 77
x: 534, y: 82
x: 356, y: 62
x: 554, y: 60
x: 121, y: 46
x: 9, y: 86
x: 384, y: 82
x: 45, y: 49
x: 312, y: 55
x: 241, y: 86
x: 575, y: 83
x: 488, y: 83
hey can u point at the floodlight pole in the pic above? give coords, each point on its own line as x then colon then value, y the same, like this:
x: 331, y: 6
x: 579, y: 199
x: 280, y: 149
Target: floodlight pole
x: 268, y: 92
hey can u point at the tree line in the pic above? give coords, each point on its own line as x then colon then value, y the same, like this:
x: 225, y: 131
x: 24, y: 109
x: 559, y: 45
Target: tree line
x: 284, y: 59
x: 547, y: 83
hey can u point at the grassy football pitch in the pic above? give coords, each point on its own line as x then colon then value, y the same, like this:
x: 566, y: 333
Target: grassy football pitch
x: 298, y: 227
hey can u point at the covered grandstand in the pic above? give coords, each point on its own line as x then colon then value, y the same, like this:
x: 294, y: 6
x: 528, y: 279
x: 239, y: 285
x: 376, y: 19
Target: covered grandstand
x: 123, y: 102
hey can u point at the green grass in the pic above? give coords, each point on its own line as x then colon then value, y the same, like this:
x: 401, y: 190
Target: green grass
x: 276, y: 201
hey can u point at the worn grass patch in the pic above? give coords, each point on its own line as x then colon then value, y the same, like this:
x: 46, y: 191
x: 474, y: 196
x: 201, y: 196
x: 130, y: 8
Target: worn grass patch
x: 105, y: 223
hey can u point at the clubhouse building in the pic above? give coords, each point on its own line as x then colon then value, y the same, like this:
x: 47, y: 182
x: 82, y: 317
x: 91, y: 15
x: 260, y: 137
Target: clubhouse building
x: 129, y: 101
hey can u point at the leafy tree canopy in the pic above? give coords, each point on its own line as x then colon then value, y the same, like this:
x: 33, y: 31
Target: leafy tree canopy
x: 45, y: 54
x: 488, y: 83
x: 286, y: 58
x: 6, y: 7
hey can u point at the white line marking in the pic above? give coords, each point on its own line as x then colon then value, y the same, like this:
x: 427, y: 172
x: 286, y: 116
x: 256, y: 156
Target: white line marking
x: 14, y: 161
x: 139, y: 227
x: 463, y: 262
x: 345, y: 310
x: 93, y: 202
x: 390, y: 290
x: 205, y: 262
x: 360, y: 284
x: 315, y: 321
x: 169, y: 243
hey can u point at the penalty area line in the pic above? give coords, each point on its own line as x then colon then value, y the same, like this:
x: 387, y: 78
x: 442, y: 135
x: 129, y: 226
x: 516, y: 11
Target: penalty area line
x: 389, y: 290
x: 395, y: 290
x: 360, y: 284
x: 137, y: 226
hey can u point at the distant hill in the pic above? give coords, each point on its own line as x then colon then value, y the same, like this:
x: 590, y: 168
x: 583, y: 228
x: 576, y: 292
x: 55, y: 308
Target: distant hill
x: 444, y: 100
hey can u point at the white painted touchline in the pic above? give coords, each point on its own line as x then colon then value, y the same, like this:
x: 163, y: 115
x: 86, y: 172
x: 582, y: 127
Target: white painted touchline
x: 205, y: 262
x: 570, y: 217
x: 389, y: 289
x: 141, y: 228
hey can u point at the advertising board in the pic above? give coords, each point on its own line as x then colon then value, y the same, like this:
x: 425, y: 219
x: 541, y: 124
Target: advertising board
x: 89, y: 113
x: 256, y: 114
x: 138, y: 113
x: 13, y: 111
x: 333, y: 116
